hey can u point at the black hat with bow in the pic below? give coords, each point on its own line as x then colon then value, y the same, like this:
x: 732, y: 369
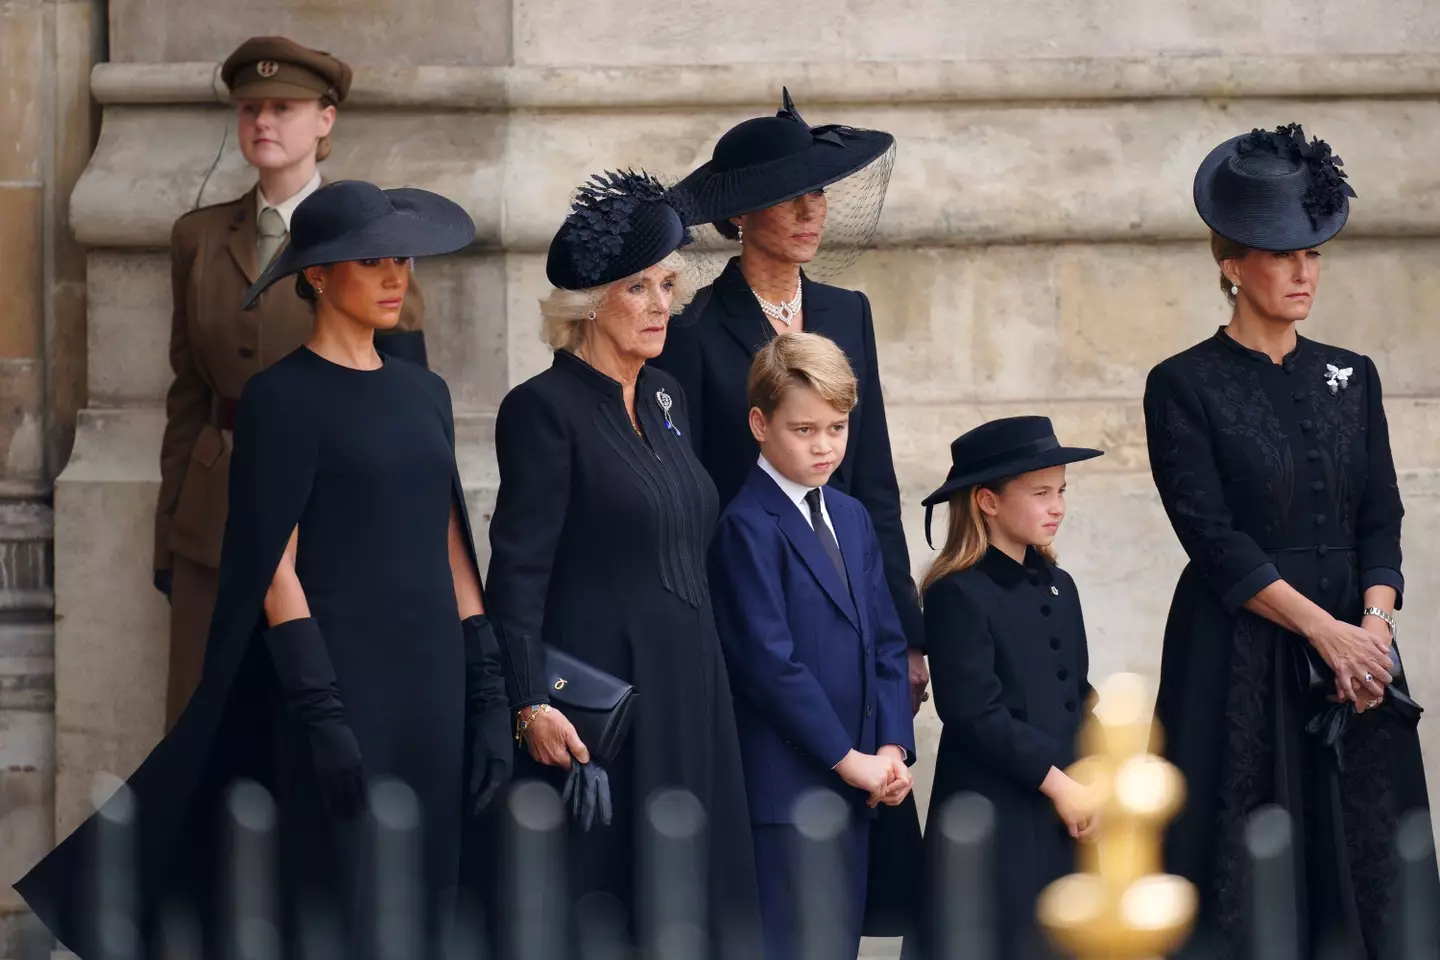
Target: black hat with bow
x: 354, y: 220
x: 999, y: 449
x: 769, y: 160
x: 1273, y: 190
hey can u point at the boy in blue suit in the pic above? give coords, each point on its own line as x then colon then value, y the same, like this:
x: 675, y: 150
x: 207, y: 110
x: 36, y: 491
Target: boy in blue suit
x: 814, y: 647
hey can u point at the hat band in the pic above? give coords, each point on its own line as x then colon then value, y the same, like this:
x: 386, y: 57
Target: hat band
x: 1008, y: 455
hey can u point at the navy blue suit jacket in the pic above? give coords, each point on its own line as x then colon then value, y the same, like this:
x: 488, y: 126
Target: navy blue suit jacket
x: 816, y: 669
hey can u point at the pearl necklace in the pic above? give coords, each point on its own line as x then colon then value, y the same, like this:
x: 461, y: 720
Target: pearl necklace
x: 784, y: 311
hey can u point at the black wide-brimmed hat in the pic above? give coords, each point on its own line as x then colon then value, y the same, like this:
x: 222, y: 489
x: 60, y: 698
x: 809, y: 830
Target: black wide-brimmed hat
x: 619, y: 224
x: 355, y: 220
x: 999, y: 449
x: 769, y: 160
x: 1272, y: 190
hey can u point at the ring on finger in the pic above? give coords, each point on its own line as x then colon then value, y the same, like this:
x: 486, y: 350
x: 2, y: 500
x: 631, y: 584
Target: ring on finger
x: 1369, y: 678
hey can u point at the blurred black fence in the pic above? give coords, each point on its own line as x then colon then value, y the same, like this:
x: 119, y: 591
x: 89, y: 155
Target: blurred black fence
x: 535, y: 920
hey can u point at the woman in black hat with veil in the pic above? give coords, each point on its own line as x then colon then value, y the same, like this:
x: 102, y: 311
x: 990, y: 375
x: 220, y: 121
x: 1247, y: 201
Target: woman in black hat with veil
x: 1280, y: 682
x: 802, y: 202
x: 349, y: 641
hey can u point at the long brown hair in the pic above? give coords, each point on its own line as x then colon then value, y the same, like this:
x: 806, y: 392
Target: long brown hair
x: 966, y: 536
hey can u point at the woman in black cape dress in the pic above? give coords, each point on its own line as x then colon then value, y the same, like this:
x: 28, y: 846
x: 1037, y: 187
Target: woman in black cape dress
x: 1277, y: 471
x: 598, y: 544
x: 362, y: 462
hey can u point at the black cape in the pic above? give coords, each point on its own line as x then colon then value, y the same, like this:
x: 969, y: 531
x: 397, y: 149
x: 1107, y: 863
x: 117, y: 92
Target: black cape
x: 224, y: 733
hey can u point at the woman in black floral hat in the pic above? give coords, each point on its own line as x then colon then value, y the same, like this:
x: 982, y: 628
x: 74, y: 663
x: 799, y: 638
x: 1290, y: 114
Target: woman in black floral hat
x: 1280, y: 682
x: 598, y: 547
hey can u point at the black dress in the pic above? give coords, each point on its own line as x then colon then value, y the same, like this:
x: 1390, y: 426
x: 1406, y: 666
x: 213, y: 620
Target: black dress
x: 709, y: 351
x: 1010, y: 666
x: 598, y: 546
x: 363, y: 462
x: 1267, y: 472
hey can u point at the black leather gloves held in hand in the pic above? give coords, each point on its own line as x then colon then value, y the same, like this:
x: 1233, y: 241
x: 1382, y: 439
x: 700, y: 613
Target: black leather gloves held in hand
x: 587, y: 791
x: 307, y: 679
x: 487, y: 712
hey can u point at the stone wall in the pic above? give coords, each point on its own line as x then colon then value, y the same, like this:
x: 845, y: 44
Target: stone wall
x: 47, y: 48
x: 1038, y: 252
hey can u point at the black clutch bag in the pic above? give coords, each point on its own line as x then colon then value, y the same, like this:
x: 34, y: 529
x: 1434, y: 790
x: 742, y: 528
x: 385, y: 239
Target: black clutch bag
x: 600, y: 706
x: 1330, y: 722
x: 1315, y: 675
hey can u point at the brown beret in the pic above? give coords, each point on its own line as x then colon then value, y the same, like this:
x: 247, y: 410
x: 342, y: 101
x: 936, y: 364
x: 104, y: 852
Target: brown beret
x: 277, y: 67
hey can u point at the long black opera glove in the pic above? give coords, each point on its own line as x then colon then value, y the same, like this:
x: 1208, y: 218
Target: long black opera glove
x: 487, y: 711
x: 307, y: 680
x: 587, y: 791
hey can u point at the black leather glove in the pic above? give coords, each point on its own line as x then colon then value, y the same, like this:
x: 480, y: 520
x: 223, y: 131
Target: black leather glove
x: 487, y: 712
x: 307, y: 680
x: 587, y: 791
x: 165, y: 581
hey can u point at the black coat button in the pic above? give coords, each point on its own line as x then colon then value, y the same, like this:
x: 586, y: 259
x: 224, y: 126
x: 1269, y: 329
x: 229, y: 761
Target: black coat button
x: 1045, y: 609
x: 1312, y: 454
x: 1322, y: 549
x: 1062, y: 674
x: 1319, y: 519
x: 1070, y: 705
x: 1324, y: 583
x: 1054, y: 643
x: 1299, y: 394
x: 246, y: 352
x: 1306, y: 424
x: 1317, y: 485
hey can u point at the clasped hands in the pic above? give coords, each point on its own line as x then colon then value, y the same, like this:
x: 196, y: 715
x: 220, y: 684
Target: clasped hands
x: 883, y: 775
x: 1355, y: 653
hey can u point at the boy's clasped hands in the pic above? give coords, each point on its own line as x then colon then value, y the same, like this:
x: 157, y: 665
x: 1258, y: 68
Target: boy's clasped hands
x: 882, y: 774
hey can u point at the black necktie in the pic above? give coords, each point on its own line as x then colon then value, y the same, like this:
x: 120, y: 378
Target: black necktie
x: 826, y: 535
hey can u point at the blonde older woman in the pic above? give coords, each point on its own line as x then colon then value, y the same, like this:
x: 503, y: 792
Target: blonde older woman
x: 597, y: 570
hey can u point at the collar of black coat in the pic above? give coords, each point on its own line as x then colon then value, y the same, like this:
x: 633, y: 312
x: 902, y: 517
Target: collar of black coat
x: 599, y: 382
x: 1235, y: 346
x: 998, y: 566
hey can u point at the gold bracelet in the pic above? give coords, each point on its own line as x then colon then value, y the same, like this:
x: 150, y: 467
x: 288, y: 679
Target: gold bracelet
x: 522, y: 722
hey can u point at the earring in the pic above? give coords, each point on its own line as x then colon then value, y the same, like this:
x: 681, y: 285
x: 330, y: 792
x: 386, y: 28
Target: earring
x: 319, y: 291
x: 739, y: 234
x: 590, y: 315
x: 1234, y: 289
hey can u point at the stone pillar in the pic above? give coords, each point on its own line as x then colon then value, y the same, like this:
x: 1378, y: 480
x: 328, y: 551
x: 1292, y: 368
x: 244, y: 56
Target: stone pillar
x: 47, y: 48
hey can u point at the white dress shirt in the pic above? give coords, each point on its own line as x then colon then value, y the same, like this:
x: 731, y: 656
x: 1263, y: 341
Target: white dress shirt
x: 796, y: 492
x: 286, y: 208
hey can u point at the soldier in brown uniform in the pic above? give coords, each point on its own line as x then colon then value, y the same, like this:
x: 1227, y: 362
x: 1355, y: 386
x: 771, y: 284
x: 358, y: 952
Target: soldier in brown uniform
x: 285, y: 96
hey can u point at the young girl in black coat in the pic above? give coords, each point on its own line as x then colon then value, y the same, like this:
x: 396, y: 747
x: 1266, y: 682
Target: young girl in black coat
x: 1008, y: 662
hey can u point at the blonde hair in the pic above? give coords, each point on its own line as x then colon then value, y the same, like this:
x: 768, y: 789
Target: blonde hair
x: 967, y: 536
x: 322, y: 146
x: 801, y: 360
x: 1222, y: 249
x: 563, y: 312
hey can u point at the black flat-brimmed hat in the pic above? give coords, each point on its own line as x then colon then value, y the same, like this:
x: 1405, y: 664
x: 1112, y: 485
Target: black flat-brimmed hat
x: 355, y: 220
x: 1272, y: 190
x: 619, y: 224
x: 999, y: 449
x: 769, y: 160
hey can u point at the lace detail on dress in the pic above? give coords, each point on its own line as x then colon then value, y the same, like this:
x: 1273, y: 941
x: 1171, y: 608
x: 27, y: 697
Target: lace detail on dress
x: 1247, y: 781
x: 1368, y: 808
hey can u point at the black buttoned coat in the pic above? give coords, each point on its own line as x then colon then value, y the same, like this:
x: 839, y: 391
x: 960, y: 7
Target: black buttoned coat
x: 1272, y: 471
x: 1009, y: 666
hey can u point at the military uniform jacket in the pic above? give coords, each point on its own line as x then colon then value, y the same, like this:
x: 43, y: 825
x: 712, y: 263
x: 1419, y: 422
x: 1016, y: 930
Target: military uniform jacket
x: 214, y: 348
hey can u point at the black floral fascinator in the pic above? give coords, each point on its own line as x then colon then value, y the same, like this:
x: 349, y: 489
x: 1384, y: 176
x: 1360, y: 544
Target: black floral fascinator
x: 766, y: 161
x: 1273, y: 190
x: 619, y: 224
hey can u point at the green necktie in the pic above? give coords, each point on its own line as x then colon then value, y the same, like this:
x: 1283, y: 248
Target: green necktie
x: 272, y: 234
